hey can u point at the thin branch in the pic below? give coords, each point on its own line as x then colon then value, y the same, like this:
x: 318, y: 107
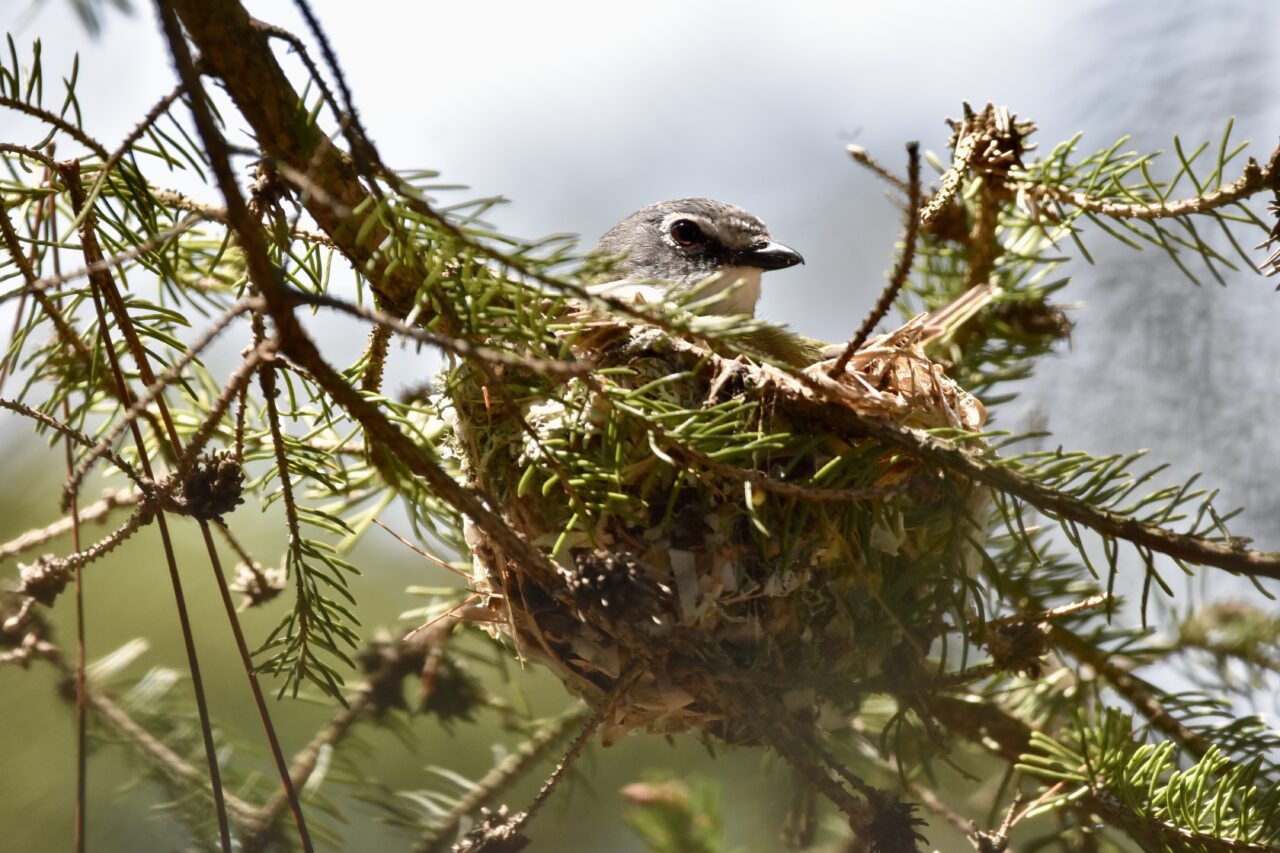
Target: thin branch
x: 172, y: 764
x: 213, y: 213
x: 82, y: 699
x: 1135, y: 690
x: 145, y: 484
x: 961, y: 159
x: 503, y: 775
x: 863, y: 157
x: 57, y: 121
x: 39, y: 285
x: 1180, y: 546
x: 151, y: 117
x: 1254, y: 179
x: 30, y: 153
x: 375, y: 359
x: 900, y: 271
x: 460, y: 347
x: 615, y: 695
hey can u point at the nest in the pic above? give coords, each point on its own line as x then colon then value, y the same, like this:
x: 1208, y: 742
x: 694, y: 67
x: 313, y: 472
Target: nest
x: 721, y: 538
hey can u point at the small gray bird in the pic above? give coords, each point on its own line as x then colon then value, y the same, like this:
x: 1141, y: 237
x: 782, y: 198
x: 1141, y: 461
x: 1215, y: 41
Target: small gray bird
x: 694, y: 246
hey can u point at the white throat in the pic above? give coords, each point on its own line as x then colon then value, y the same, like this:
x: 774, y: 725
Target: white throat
x: 737, y: 287
x: 741, y: 289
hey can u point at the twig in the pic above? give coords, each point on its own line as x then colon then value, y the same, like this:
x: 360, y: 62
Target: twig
x: 966, y: 147
x: 31, y: 153
x: 1051, y: 614
x: 460, y: 347
x: 57, y: 121
x: 151, y: 117
x: 1180, y: 546
x: 863, y: 157
x: 82, y: 699
x: 213, y: 213
x: 1254, y: 179
x: 165, y: 758
x: 375, y: 359
x: 39, y: 285
x: 1135, y: 690
x: 900, y: 271
x: 504, y: 774
x: 145, y: 484
x: 607, y: 704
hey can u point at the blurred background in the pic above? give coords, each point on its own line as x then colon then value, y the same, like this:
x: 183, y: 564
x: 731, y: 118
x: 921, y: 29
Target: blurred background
x: 580, y: 112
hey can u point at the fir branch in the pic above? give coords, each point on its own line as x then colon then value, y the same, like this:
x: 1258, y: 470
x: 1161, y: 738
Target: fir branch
x: 156, y: 241
x: 460, y: 347
x: 1141, y: 695
x: 213, y: 213
x: 144, y: 484
x: 152, y: 394
x: 239, y: 55
x: 1254, y: 179
x: 995, y: 473
x: 213, y: 141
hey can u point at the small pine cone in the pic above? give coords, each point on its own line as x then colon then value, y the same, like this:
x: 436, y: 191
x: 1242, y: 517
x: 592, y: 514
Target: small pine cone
x: 213, y: 487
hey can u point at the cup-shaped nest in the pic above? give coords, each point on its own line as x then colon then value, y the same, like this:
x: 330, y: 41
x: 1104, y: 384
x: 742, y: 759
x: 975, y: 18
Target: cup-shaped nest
x: 718, y: 531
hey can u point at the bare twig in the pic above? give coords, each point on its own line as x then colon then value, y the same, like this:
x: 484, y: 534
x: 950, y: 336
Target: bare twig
x: 615, y: 695
x: 863, y: 157
x: 900, y: 271
x: 213, y: 213
x: 70, y: 433
x: 504, y: 774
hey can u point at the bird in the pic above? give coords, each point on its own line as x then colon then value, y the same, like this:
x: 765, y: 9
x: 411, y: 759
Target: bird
x: 704, y: 253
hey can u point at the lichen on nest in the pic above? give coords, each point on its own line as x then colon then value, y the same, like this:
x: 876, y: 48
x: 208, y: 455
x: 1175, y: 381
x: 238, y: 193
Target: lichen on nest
x: 719, y: 532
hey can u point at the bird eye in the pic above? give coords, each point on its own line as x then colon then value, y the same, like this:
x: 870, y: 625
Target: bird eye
x: 686, y: 232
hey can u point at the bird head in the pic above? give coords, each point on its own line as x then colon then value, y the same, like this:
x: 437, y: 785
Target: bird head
x: 695, y: 246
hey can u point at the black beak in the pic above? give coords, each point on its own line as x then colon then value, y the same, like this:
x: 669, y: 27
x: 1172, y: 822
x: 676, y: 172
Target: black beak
x: 770, y: 256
